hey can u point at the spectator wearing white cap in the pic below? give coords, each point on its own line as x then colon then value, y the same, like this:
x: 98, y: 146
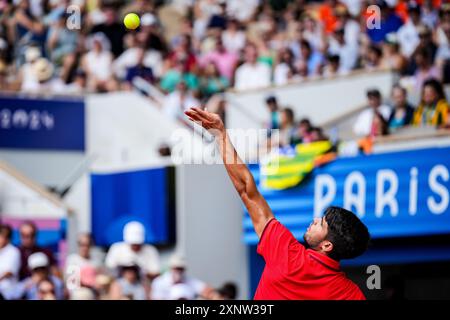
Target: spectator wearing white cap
x: 28, y: 288
x: 133, y: 245
x: 167, y: 286
x: 9, y: 261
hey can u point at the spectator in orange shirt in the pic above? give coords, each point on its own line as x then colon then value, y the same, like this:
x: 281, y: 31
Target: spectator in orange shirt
x: 327, y: 15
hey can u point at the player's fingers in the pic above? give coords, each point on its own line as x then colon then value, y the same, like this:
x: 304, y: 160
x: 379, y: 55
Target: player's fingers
x: 202, y: 112
x: 193, y: 116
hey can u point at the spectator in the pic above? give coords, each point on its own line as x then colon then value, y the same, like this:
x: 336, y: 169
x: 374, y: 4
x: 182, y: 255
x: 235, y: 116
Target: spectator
x: 228, y: 291
x: 242, y: 10
x: 9, y: 261
x: 212, y: 82
x: 218, y: 19
x: 312, y: 32
x: 224, y: 60
x: 402, y: 111
x: 178, y: 101
x: 163, y: 285
x: 138, y: 70
x: 43, y: 79
x: 128, y: 286
x: 313, y: 59
x: 112, y: 29
x: 176, y: 75
x: 78, y: 85
x: 87, y: 262
x: 284, y: 70
x: 372, y: 60
x: 133, y: 248
x: 379, y: 126
x: 150, y: 34
x: 426, y: 43
x: 352, y: 29
x: 182, y: 52
x: 28, y: 245
x: 62, y: 42
x: 443, y: 52
x: 424, y: 70
x: 433, y: 108
x: 347, y: 52
x: 316, y: 134
x: 233, y: 38
x: 429, y: 14
x: 327, y: 15
x: 252, y: 74
x: 390, y: 22
x: 97, y: 64
x: 363, y: 124
x: 28, y: 29
x: 392, y: 58
x: 274, y: 110
x: 444, y: 17
x: 408, y: 34
x: 46, y: 290
x: 287, y: 129
x: 332, y: 67
x: 303, y: 134
x: 27, y: 289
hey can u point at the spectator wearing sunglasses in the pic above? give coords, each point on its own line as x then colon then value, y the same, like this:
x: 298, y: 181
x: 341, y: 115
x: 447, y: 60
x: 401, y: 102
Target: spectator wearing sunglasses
x: 28, y: 288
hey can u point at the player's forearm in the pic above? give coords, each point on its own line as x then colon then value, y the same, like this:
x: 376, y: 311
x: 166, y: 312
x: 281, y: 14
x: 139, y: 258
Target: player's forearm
x: 244, y: 183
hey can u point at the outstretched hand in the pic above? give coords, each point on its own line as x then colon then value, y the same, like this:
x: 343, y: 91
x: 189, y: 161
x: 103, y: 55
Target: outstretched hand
x: 208, y: 120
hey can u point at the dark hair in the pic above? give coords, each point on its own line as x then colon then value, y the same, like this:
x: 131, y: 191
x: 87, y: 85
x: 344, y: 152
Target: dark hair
x: 228, y: 291
x: 271, y: 99
x: 375, y: 49
x: 6, y: 230
x: 333, y: 58
x: 349, y: 236
x: 305, y: 44
x: 373, y: 93
x: 436, y: 85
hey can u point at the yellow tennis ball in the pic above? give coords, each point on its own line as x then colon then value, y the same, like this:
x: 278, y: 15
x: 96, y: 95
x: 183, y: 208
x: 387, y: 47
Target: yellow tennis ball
x: 131, y: 21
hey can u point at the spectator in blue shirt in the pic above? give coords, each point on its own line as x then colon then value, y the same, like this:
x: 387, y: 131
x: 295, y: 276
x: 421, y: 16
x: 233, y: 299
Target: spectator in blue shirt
x: 313, y: 59
x: 139, y: 70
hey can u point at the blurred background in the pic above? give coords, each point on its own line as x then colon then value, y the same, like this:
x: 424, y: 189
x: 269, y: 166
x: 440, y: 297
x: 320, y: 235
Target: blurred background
x: 93, y: 204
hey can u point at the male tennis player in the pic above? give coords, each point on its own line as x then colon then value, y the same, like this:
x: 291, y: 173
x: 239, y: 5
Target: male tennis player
x: 293, y: 271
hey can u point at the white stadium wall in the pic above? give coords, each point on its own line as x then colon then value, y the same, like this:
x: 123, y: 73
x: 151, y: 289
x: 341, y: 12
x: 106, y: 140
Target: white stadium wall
x: 321, y: 100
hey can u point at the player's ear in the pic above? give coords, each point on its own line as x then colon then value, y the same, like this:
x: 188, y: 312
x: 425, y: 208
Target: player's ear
x: 326, y: 246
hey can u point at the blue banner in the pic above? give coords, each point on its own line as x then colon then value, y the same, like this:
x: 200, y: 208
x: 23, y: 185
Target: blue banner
x: 47, y: 124
x: 397, y: 194
x: 146, y: 196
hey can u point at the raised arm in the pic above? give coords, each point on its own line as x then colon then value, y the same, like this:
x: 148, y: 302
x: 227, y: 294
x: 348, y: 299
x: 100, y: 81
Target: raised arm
x: 242, y: 179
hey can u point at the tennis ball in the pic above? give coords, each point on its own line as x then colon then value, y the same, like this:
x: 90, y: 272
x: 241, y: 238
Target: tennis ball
x: 131, y: 21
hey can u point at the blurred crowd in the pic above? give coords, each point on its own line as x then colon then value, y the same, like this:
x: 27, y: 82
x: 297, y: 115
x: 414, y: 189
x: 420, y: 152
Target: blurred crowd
x: 131, y: 270
x: 212, y: 45
x: 194, y: 50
